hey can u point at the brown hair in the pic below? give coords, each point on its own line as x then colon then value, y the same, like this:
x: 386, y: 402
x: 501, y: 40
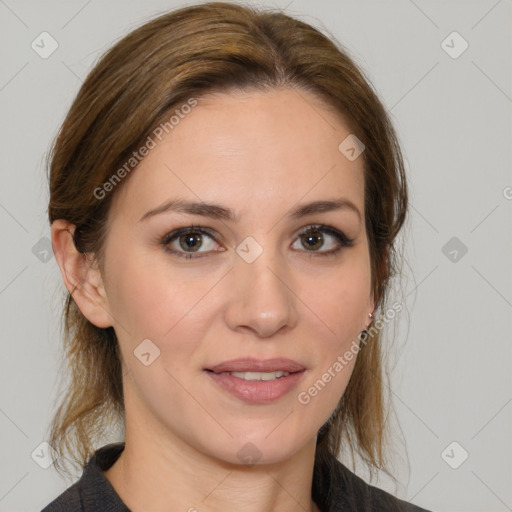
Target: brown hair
x: 134, y: 87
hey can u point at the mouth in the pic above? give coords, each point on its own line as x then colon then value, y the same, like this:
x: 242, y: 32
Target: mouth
x: 257, y: 381
x: 254, y: 376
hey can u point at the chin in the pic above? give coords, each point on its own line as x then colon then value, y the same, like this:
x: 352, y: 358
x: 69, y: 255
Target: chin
x: 261, y: 449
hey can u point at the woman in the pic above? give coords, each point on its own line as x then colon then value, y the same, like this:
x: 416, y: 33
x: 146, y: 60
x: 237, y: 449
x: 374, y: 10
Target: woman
x: 225, y: 194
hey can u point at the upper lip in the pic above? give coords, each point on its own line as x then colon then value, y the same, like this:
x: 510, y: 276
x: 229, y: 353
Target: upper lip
x: 258, y: 365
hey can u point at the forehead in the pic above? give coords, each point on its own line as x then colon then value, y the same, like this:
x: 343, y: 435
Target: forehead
x: 252, y: 151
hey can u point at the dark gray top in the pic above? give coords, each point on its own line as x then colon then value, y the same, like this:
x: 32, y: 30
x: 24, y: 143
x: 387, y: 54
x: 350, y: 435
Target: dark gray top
x: 335, y: 489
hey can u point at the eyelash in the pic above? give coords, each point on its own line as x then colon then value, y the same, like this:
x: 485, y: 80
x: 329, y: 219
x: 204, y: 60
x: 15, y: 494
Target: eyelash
x: 342, y: 239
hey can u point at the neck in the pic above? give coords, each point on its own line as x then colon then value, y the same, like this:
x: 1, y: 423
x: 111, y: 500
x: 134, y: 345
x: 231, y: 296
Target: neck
x: 166, y: 474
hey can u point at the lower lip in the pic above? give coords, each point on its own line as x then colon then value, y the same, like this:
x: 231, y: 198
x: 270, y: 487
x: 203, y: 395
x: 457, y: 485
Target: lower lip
x: 257, y: 391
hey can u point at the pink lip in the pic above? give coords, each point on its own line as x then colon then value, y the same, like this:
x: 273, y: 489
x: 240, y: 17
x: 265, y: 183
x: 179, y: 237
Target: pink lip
x: 263, y: 391
x: 257, y: 392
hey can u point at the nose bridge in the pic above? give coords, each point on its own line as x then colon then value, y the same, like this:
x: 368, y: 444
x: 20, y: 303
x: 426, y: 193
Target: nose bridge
x: 262, y: 299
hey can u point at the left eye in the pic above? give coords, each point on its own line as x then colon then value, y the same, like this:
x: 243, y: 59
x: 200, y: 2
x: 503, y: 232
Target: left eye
x: 190, y: 240
x: 313, y: 237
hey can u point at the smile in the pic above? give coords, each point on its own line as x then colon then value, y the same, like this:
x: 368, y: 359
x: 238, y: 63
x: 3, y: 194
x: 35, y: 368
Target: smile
x: 257, y: 375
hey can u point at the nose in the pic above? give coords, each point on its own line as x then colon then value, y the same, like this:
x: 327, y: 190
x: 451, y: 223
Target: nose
x: 261, y: 298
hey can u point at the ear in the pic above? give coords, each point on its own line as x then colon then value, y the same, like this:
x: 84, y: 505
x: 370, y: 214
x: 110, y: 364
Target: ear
x: 81, y: 275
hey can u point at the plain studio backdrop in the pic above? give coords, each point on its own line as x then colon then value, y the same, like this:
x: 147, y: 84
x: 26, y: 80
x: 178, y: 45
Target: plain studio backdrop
x: 443, y: 70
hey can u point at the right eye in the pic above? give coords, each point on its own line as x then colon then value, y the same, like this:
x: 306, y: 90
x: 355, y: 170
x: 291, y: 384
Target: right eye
x: 180, y: 241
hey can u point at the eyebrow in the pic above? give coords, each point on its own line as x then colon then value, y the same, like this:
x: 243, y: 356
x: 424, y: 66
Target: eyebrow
x: 216, y: 211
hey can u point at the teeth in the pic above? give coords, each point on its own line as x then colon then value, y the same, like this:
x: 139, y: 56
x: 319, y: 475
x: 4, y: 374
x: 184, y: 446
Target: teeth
x: 257, y: 375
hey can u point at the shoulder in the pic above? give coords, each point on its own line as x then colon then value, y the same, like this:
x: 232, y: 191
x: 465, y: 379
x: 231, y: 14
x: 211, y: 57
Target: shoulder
x: 68, y: 501
x: 92, y: 492
x: 377, y: 498
x: 338, y: 488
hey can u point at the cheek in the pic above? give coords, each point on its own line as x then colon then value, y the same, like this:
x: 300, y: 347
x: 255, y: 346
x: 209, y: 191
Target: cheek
x: 149, y: 300
x: 153, y: 303
x: 166, y: 306
x: 341, y: 301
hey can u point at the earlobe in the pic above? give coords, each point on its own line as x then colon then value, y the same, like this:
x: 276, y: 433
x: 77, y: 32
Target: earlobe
x: 81, y: 277
x: 371, y: 313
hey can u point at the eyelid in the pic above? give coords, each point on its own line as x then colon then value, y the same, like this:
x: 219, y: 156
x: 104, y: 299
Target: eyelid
x: 192, y: 227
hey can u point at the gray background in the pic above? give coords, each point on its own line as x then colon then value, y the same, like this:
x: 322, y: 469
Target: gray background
x: 452, y: 380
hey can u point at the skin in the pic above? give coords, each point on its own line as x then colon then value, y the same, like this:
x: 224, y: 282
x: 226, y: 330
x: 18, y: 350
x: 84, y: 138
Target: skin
x: 260, y: 154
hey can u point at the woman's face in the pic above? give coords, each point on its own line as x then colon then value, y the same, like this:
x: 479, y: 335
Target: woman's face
x: 257, y: 286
